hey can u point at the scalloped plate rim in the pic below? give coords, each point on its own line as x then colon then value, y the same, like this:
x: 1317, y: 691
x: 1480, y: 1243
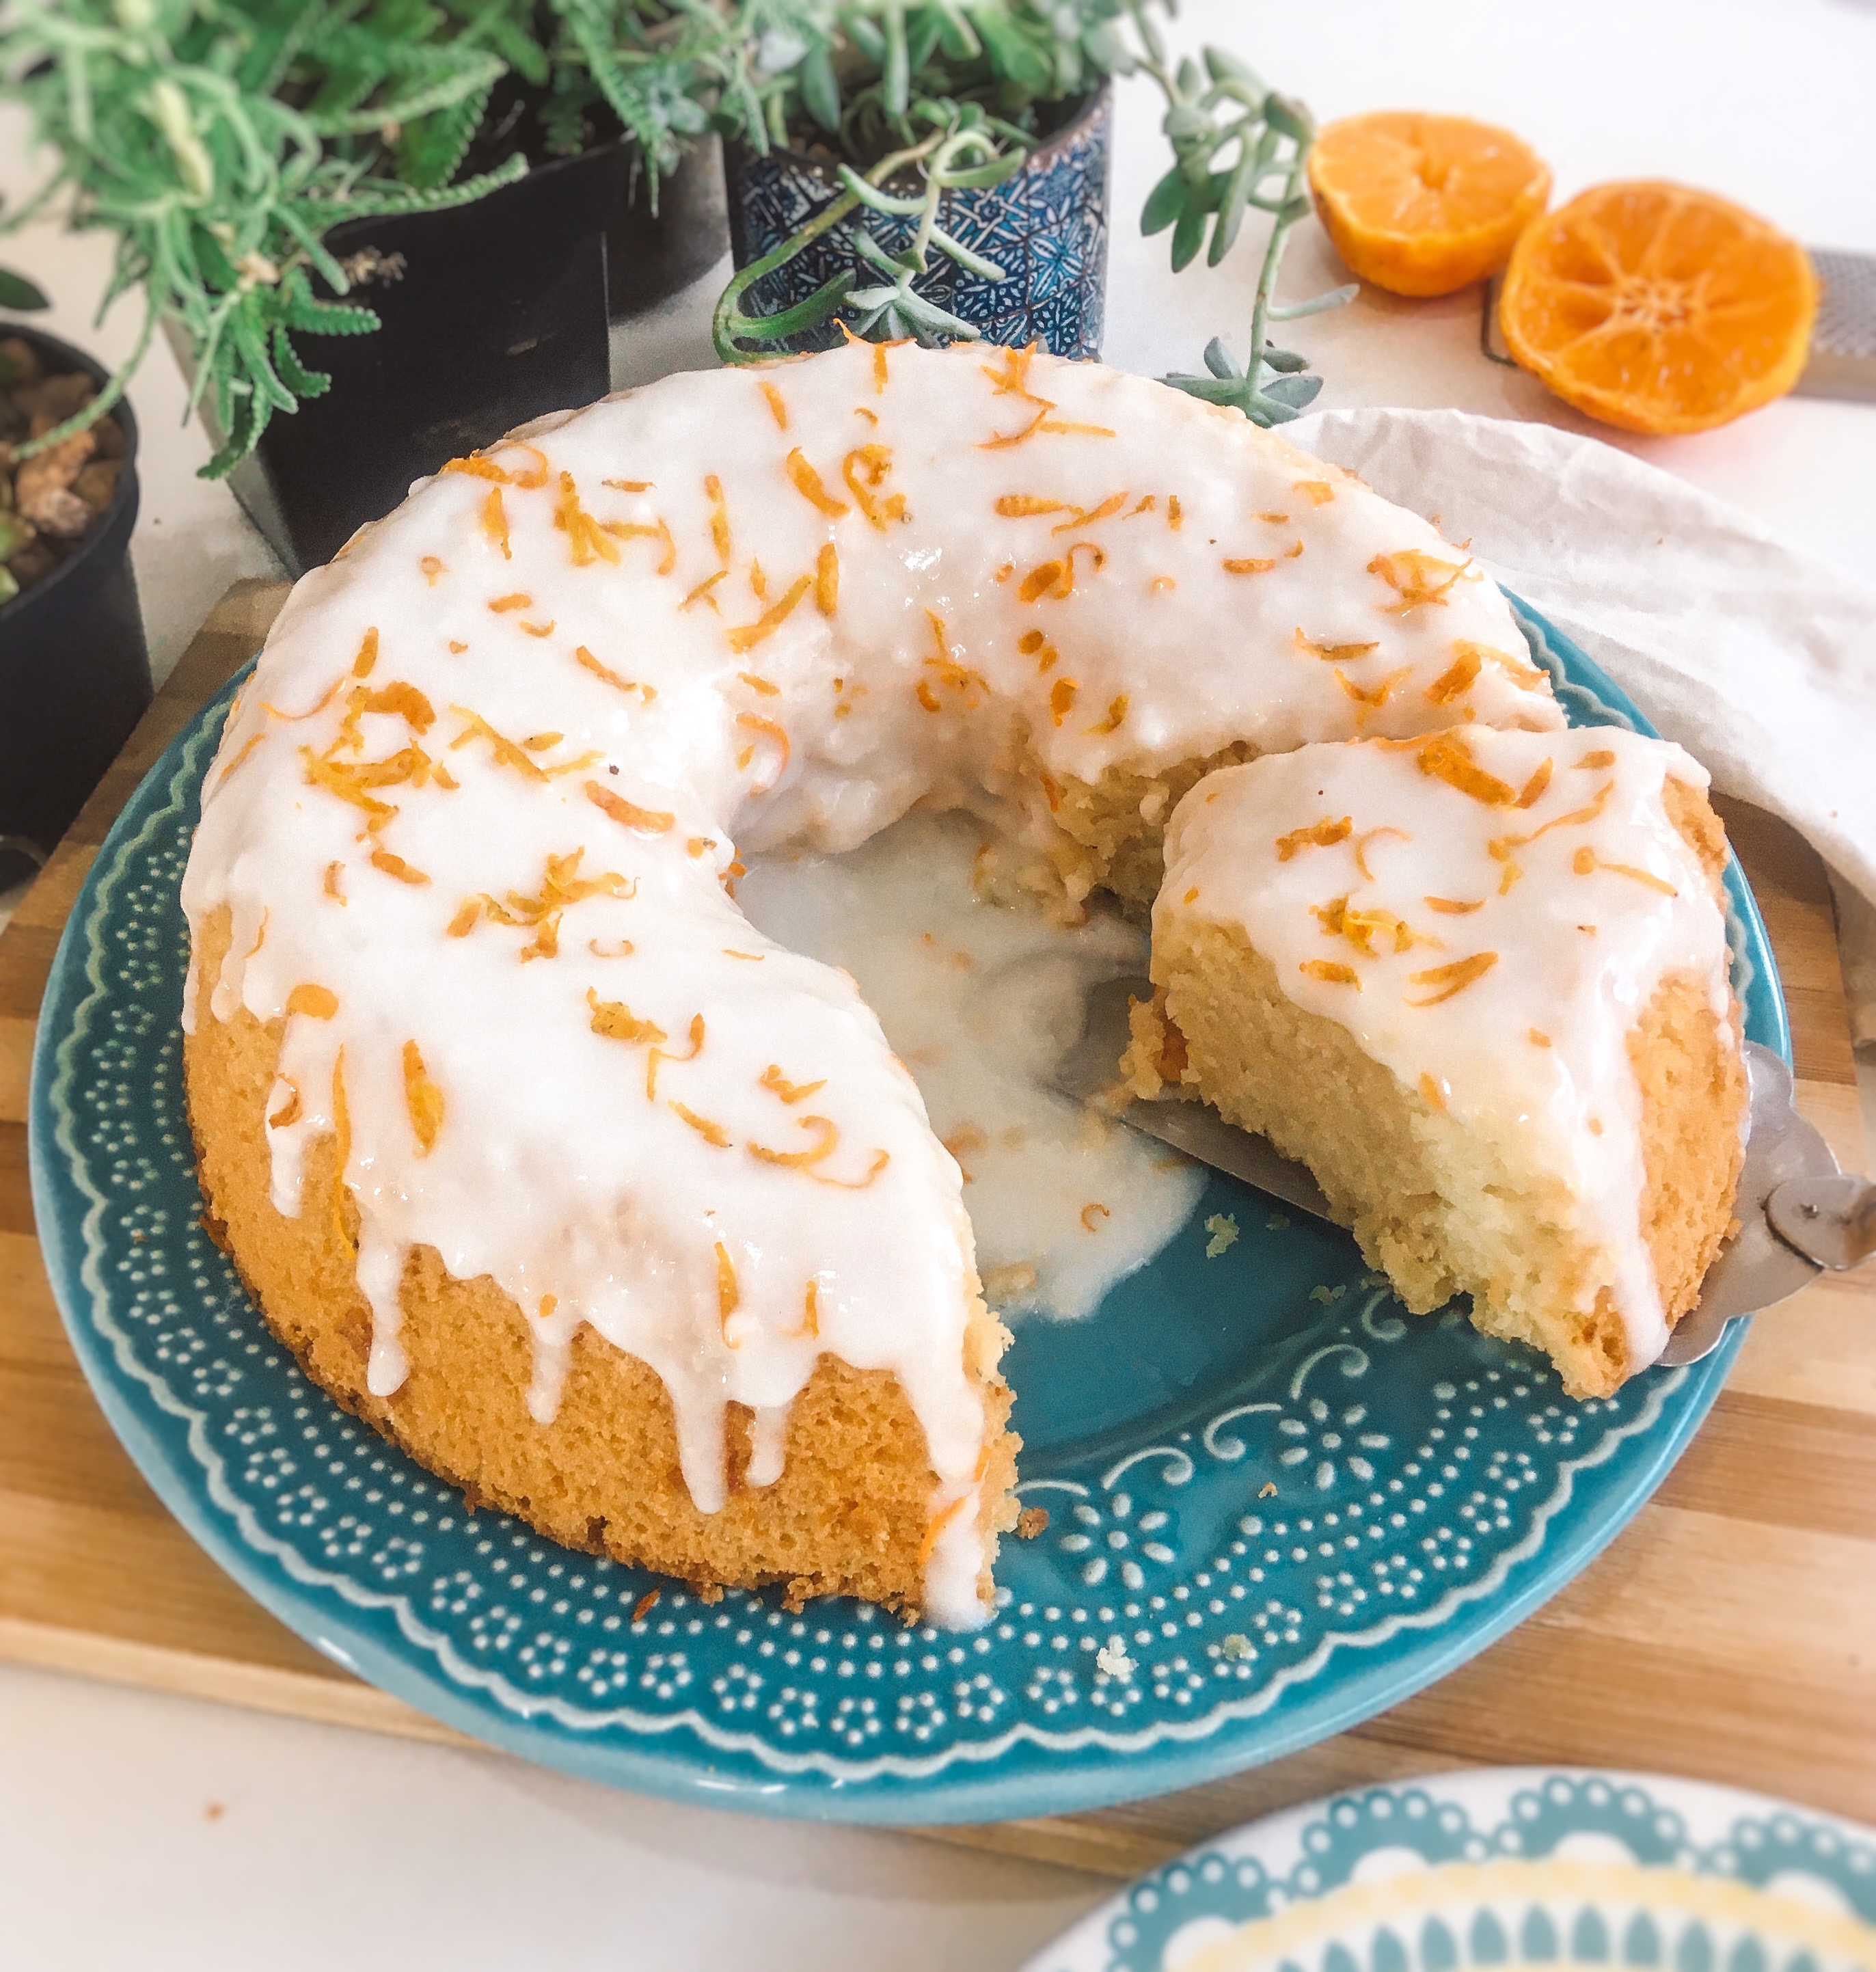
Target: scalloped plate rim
x: 1081, y: 1947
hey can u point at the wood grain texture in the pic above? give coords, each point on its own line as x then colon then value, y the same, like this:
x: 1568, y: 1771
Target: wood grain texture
x: 1729, y: 1634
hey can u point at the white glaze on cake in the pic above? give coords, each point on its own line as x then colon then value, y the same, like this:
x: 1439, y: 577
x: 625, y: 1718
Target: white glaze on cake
x: 1488, y: 913
x: 749, y: 610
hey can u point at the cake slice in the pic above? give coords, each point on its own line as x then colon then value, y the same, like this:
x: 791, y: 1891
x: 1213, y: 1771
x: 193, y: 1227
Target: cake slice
x: 1478, y: 983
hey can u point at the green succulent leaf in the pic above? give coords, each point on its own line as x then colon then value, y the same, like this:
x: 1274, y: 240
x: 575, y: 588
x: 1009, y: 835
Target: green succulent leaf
x: 17, y: 293
x: 1164, y: 203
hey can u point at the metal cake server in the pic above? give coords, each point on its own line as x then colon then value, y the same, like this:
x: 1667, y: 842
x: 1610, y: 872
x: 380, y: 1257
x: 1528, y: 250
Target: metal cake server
x: 1799, y: 1214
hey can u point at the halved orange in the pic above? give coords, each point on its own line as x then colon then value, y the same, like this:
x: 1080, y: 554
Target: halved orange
x: 1658, y: 308
x: 1421, y: 204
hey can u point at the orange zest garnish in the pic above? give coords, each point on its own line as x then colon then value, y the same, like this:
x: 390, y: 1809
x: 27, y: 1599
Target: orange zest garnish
x: 1434, y: 1094
x: 368, y: 655
x: 422, y: 1098
x: 617, y: 1022
x: 657, y: 1055
x: 1055, y: 580
x: 1360, y: 927
x: 1335, y: 654
x: 713, y: 1133
x: 1458, y: 677
x: 937, y: 1525
x: 330, y: 886
x: 516, y: 599
x: 777, y: 407
x: 288, y: 1112
x: 645, y: 1604
x: 1088, y: 1215
x: 827, y: 579
x: 1533, y: 789
x: 829, y: 1135
x: 756, y: 682
x: 588, y: 541
x: 341, y: 1148
x: 746, y: 636
x: 395, y: 866
x: 495, y: 522
x: 1028, y: 506
x: 633, y: 530
x: 702, y: 592
x: 1526, y: 677
x: 1447, y: 757
x: 865, y: 469
x: 1602, y: 757
x: 1412, y: 574
x: 1319, y: 835
x: 728, y: 1295
x: 1538, y: 1038
x: 246, y: 748
x: 1449, y: 980
x: 720, y: 520
x: 628, y: 815
x: 779, y: 1084
x: 318, y: 1003
x: 587, y: 661
x: 1318, y: 492
x: 807, y: 482
x: 1360, y: 847
x: 1331, y: 972
x: 1249, y: 565
x: 482, y: 467
x: 810, y: 1316
x: 756, y: 722
x: 1586, y: 862
x: 1013, y: 381
x: 1452, y: 907
x: 1370, y: 698
x: 311, y: 712
x: 1116, y: 712
x: 1061, y: 698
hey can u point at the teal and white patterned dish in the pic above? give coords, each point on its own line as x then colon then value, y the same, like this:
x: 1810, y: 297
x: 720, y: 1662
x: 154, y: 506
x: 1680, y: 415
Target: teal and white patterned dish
x: 1502, y: 1867
x: 1277, y: 1505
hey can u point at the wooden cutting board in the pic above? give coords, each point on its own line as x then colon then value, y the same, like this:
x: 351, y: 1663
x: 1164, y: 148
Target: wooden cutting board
x: 1728, y: 1634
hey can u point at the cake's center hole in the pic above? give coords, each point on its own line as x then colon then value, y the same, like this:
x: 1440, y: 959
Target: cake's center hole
x: 978, y: 998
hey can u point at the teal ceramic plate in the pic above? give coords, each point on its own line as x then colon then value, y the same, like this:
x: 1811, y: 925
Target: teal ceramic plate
x: 1276, y: 1505
x: 1504, y: 1867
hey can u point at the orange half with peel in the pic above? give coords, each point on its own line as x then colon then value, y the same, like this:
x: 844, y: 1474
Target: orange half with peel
x: 1421, y: 204
x: 1658, y: 308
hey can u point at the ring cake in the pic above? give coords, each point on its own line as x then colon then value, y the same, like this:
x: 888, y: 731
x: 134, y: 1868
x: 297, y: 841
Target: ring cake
x: 539, y: 1156
x: 1478, y: 982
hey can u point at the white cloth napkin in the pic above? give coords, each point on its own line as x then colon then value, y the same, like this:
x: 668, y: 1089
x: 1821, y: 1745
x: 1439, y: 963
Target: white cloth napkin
x: 1759, y: 660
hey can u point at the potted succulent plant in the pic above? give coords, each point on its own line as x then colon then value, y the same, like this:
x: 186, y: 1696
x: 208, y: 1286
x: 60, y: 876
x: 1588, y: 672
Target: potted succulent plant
x: 938, y: 168
x: 74, y: 670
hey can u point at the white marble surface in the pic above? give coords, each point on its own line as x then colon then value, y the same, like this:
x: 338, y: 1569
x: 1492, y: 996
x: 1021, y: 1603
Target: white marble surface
x: 157, y: 1832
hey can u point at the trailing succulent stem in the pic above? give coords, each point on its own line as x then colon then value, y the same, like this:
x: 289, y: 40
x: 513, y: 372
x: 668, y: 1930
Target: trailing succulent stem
x: 1238, y: 146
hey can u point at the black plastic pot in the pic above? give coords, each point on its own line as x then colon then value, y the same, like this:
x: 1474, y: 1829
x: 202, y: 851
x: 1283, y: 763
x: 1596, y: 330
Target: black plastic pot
x: 499, y: 316
x: 651, y: 255
x: 74, y: 670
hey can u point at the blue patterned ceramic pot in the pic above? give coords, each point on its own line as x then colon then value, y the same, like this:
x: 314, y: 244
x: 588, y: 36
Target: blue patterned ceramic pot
x: 1046, y: 226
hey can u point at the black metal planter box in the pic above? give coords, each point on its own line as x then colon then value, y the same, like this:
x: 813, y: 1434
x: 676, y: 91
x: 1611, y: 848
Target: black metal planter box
x: 74, y: 670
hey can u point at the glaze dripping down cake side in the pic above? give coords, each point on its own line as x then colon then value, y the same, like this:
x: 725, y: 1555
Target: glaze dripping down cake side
x: 1478, y: 983
x: 600, y: 1203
